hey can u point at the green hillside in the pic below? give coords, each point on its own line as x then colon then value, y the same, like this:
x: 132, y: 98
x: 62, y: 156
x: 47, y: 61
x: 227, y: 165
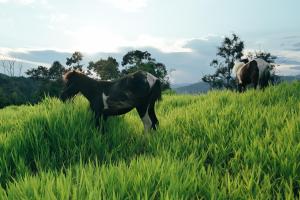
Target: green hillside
x: 221, y: 145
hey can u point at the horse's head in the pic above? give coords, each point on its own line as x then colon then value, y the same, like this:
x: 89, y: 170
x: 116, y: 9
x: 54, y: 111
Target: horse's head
x: 71, y: 80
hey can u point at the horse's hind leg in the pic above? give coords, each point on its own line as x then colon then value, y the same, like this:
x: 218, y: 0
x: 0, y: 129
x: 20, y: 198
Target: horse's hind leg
x: 240, y: 88
x: 152, y: 115
x: 145, y: 117
x: 255, y: 81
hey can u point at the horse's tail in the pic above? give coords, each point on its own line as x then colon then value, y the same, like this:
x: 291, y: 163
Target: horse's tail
x: 237, y: 66
x: 155, y: 94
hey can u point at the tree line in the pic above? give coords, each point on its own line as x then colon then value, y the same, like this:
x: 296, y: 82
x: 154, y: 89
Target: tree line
x: 105, y: 69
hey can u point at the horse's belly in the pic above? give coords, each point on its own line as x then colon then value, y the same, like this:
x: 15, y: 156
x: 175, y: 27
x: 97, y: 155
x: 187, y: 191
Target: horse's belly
x: 117, y: 107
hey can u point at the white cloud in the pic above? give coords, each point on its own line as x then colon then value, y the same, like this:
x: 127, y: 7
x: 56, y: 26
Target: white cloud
x: 6, y: 51
x: 163, y: 44
x: 93, y: 39
x: 22, y: 2
x: 128, y: 5
x: 287, y: 70
x: 25, y: 2
x: 7, y: 22
x: 288, y: 62
x: 183, y: 76
x: 292, y: 55
x: 57, y: 20
x: 180, y: 76
x: 7, y: 57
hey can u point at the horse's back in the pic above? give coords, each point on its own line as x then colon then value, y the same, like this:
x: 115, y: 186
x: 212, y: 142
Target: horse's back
x: 131, y: 85
x: 129, y: 92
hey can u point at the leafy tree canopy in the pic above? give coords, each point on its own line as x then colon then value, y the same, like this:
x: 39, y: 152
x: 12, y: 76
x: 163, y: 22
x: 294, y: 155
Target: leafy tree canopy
x: 142, y: 60
x: 56, y: 71
x: 40, y: 72
x: 74, y: 61
x: 107, y: 69
x: 230, y: 50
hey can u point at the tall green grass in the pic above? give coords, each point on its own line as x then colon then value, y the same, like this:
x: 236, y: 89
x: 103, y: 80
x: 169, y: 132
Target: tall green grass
x: 222, y: 145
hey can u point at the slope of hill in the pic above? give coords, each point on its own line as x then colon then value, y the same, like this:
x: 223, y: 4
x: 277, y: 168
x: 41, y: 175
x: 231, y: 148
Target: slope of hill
x: 290, y: 78
x: 200, y: 87
x: 177, y: 85
x: 221, y: 145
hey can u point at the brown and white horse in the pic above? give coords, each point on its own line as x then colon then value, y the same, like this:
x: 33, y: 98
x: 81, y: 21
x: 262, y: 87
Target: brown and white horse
x: 138, y: 90
x: 255, y: 72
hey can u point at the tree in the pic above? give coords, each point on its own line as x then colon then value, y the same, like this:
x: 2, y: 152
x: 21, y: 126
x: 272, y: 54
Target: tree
x: 230, y: 50
x: 4, y: 66
x: 74, y: 61
x: 9, y: 66
x: 49, y: 82
x: 216, y: 80
x: 20, y: 69
x: 56, y: 71
x: 40, y: 72
x: 136, y: 58
x: 142, y: 60
x: 268, y: 57
x: 107, y: 69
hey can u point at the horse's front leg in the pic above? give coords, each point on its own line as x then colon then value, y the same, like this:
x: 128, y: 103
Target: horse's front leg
x: 100, y: 119
x: 97, y: 118
x: 97, y: 109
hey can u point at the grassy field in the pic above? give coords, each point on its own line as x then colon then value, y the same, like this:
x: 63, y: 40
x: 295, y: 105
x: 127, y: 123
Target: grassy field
x: 222, y: 145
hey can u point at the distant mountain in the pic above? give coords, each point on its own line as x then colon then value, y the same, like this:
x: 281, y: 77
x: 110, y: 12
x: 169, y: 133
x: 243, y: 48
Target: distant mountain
x: 289, y: 78
x: 177, y: 85
x: 200, y: 87
x: 21, y: 90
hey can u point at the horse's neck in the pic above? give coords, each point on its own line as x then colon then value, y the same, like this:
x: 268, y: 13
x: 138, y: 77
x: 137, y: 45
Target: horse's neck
x: 88, y: 88
x: 92, y: 88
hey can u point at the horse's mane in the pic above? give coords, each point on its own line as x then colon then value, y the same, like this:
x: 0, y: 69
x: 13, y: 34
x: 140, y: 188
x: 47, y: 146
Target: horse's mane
x: 72, y: 73
x: 83, y: 79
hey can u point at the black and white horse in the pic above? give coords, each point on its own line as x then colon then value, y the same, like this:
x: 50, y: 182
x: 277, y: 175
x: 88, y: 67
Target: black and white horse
x: 138, y: 90
x: 256, y: 72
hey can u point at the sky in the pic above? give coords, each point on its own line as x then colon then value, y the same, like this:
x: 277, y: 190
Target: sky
x: 182, y: 34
